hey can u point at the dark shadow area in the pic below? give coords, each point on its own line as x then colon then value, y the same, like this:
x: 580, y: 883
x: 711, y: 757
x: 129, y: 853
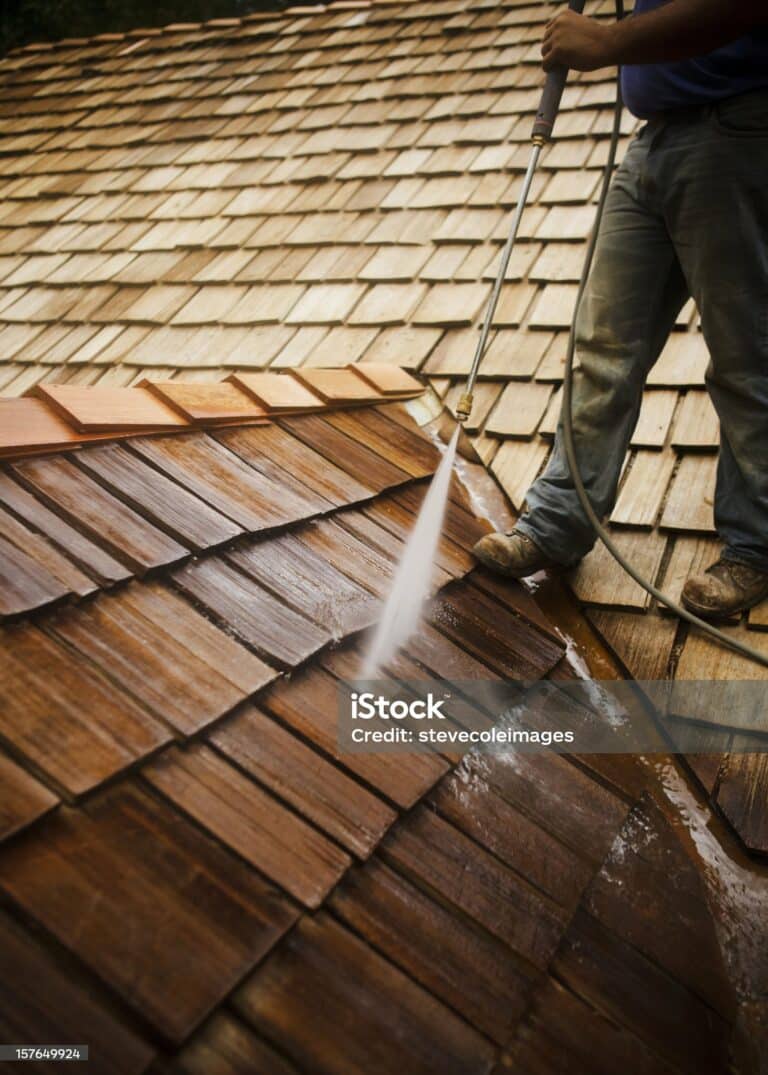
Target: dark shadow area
x: 26, y: 21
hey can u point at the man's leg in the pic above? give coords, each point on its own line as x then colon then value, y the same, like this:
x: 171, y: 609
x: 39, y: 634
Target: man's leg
x: 634, y: 293
x: 718, y: 215
x: 719, y: 224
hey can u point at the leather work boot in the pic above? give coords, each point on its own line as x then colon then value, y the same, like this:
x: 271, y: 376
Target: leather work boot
x: 512, y: 554
x: 725, y: 588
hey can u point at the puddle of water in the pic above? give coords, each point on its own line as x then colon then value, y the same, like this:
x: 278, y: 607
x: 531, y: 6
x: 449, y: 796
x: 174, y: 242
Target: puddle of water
x: 411, y: 584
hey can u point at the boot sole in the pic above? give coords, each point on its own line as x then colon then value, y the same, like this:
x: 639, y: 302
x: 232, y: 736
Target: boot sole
x: 717, y: 616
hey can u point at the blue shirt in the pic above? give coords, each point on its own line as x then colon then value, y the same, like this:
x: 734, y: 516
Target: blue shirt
x: 657, y: 87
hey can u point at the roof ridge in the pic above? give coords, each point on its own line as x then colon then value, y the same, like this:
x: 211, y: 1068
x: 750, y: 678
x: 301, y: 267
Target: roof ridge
x: 57, y: 417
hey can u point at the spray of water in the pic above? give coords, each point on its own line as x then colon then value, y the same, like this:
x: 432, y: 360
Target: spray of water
x: 411, y: 584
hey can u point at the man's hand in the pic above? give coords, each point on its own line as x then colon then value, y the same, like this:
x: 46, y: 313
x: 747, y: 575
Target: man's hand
x: 676, y: 30
x: 572, y: 40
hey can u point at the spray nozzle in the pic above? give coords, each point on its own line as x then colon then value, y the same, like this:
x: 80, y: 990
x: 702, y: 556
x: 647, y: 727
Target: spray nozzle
x: 464, y: 407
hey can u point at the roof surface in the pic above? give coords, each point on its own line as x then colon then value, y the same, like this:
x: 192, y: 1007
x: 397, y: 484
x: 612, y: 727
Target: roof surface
x: 196, y: 879
x: 299, y: 192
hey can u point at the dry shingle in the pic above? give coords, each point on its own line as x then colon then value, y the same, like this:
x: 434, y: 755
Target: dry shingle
x: 642, y: 642
x: 599, y: 580
x: 395, y: 263
x: 514, y: 300
x: 516, y: 465
x: 456, y: 304
x: 275, y: 392
x: 325, y: 304
x: 407, y: 346
x: 682, y: 362
x: 387, y: 304
x: 690, y: 556
x: 209, y: 304
x: 515, y: 354
x: 335, y: 385
x: 519, y: 410
x: 656, y: 412
x: 202, y: 403
x: 264, y: 303
x: 696, y: 424
x: 387, y: 378
x: 644, y: 488
x: 95, y: 409
x: 690, y: 503
x: 554, y: 307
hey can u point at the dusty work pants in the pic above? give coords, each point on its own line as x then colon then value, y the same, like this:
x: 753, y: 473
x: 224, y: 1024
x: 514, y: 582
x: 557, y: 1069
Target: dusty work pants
x: 687, y: 214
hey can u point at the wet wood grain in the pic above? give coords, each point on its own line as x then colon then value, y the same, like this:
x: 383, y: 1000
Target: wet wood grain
x: 741, y: 793
x: 309, y: 706
x: 494, y: 823
x: 164, y: 502
x: 280, y: 455
x: 226, y: 482
x: 226, y: 1046
x: 64, y: 717
x: 650, y: 894
x: 151, y: 900
x: 86, y: 505
x: 493, y: 634
x: 359, y: 559
x: 431, y: 943
x: 348, y: 1033
x: 564, y: 1033
x: 437, y: 856
x: 23, y: 799
x: 25, y: 584
x: 365, y: 465
x: 611, y: 975
x: 94, y: 560
x: 49, y: 560
x: 307, y: 583
x: 182, y: 686
x: 306, y: 780
x: 250, y: 821
x: 395, y: 442
x: 276, y: 632
x: 43, y: 1001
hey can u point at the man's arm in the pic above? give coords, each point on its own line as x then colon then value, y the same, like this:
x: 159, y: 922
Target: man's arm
x: 675, y: 31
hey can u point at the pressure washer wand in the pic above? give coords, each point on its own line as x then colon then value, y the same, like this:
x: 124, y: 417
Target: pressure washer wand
x: 542, y: 132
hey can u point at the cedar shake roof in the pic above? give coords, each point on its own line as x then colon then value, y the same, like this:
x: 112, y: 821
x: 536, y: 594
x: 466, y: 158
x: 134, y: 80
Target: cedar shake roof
x: 200, y: 510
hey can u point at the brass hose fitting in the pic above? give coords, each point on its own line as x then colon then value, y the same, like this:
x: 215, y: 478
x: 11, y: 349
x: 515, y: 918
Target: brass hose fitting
x: 464, y: 407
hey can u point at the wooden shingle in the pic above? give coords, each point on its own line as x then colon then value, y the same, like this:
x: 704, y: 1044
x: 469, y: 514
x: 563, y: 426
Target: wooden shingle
x: 206, y: 403
x: 644, y: 488
x: 275, y: 393
x: 224, y: 917
x: 123, y: 532
x: 93, y: 409
x: 696, y: 425
x: 250, y: 821
x: 455, y: 304
x: 519, y: 410
x: 690, y: 501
